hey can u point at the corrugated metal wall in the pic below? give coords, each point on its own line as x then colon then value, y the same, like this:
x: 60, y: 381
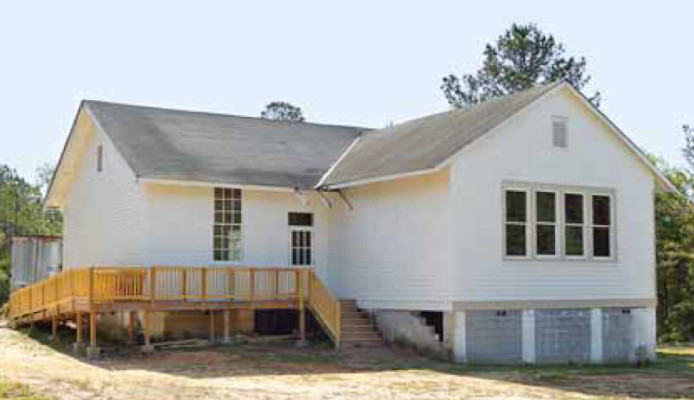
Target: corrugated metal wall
x: 34, y: 258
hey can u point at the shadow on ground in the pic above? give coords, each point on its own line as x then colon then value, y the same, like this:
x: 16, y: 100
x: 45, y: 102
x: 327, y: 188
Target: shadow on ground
x: 671, y: 376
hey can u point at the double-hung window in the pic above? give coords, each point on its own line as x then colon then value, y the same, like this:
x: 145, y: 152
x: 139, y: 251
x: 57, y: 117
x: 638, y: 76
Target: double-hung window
x: 546, y: 223
x: 516, y: 223
x: 551, y: 221
x: 227, y: 225
x: 574, y: 225
x: 602, y: 226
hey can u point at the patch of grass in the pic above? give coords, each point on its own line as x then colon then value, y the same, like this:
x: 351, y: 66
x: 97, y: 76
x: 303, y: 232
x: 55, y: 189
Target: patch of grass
x: 17, y: 391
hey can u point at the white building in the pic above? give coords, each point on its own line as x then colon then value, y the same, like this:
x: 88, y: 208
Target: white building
x: 522, y: 228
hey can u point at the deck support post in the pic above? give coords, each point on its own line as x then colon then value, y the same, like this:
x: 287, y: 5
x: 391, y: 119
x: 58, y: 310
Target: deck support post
x: 212, y: 327
x: 227, y: 338
x: 54, y: 327
x: 131, y: 327
x: 147, y: 348
x: 93, y: 350
x: 79, y: 339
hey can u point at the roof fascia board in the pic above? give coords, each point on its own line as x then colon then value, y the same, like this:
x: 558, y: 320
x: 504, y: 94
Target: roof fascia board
x: 175, y: 182
x: 377, y: 179
x: 60, y: 167
x: 337, y: 162
x: 662, y: 179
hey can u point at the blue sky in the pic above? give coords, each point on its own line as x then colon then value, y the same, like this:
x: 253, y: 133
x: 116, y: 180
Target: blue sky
x: 359, y: 62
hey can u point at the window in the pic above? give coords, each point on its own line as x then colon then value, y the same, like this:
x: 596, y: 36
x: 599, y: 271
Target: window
x: 301, y: 236
x: 546, y: 226
x: 227, y: 225
x: 544, y: 221
x: 516, y: 223
x: 602, y: 222
x: 559, y: 132
x: 573, y: 224
x: 99, y: 158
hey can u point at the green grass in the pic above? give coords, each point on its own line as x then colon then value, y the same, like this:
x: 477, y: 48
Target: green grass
x: 17, y: 391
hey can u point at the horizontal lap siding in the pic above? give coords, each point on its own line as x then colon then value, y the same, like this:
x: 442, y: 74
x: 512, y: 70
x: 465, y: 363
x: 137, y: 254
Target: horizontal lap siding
x: 104, y: 210
x: 393, y: 246
x: 522, y: 152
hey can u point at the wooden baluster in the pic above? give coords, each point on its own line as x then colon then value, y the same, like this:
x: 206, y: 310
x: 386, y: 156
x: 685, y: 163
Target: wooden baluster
x: 252, y: 288
x: 183, y: 284
x: 302, y: 313
x: 91, y: 288
x: 152, y: 284
x: 277, y: 284
x: 204, y: 285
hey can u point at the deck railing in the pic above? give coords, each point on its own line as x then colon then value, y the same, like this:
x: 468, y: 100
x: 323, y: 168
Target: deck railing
x: 157, y: 284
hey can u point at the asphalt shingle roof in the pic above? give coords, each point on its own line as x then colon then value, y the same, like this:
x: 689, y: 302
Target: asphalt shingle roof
x: 424, y: 143
x: 193, y: 146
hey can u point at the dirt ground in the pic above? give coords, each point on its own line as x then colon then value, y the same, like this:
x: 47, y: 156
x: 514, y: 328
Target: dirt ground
x: 282, y: 371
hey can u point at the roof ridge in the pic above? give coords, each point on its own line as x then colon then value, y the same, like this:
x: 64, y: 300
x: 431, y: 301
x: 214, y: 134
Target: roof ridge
x: 219, y: 114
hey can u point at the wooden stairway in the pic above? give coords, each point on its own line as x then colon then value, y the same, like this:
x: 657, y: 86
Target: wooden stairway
x: 357, y: 328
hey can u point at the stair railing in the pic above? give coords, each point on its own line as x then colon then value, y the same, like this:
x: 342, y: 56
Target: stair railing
x: 326, y: 307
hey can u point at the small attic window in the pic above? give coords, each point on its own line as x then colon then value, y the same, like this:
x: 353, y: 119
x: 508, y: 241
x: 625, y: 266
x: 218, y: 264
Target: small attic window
x: 99, y: 158
x: 559, y: 132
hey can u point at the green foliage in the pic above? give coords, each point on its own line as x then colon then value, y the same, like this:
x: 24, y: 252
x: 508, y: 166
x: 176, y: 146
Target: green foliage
x: 21, y: 213
x: 521, y: 58
x: 282, y: 111
x: 675, y: 256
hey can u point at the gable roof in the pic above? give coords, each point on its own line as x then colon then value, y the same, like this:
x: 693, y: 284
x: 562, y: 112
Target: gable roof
x: 422, y: 144
x: 195, y: 146
x: 426, y: 144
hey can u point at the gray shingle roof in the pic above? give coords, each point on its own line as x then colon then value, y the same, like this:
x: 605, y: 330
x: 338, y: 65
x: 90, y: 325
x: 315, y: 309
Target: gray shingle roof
x: 424, y: 143
x: 181, y: 145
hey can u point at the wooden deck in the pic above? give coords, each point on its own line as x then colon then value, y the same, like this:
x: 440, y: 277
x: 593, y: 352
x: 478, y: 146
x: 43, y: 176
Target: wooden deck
x: 91, y: 291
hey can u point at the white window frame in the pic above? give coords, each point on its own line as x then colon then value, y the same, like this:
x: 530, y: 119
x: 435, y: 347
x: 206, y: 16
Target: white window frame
x: 587, y: 192
x: 611, y: 227
x: 528, y: 235
x: 241, y: 230
x: 583, y: 225
x: 536, y: 223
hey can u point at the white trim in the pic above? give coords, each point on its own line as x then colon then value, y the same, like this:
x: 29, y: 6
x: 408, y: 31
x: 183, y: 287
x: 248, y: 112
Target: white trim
x: 384, y: 178
x: 332, y: 167
x: 175, y: 182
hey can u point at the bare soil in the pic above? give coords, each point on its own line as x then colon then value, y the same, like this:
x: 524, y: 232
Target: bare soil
x: 282, y: 371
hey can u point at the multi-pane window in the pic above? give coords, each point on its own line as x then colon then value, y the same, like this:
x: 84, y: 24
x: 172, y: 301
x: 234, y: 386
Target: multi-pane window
x: 565, y: 223
x: 301, y: 231
x: 573, y: 224
x: 601, y: 227
x: 227, y: 225
x: 516, y: 223
x: 546, y: 223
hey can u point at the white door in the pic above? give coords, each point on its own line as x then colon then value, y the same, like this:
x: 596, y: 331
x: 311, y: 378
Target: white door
x: 301, y: 252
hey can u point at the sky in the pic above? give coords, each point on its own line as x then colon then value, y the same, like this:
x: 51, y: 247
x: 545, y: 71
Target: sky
x: 363, y: 63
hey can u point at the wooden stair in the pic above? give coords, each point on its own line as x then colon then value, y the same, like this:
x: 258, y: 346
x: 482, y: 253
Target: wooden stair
x: 357, y: 328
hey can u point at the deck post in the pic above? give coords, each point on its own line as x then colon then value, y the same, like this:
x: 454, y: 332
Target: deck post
x: 93, y: 350
x: 147, y: 348
x: 227, y: 338
x: 131, y: 326
x: 302, y: 311
x: 212, y: 327
x: 80, y: 332
x: 54, y: 327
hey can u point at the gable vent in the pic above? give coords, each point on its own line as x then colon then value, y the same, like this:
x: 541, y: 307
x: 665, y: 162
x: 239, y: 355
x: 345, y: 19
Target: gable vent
x: 559, y: 133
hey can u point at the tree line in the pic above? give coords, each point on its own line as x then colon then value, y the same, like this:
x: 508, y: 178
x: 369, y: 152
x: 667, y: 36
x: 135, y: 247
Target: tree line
x: 522, y: 57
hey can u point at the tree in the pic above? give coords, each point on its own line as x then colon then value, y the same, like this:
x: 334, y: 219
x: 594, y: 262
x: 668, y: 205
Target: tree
x: 282, y: 111
x: 44, y: 176
x: 21, y: 213
x: 522, y: 57
x: 688, y: 150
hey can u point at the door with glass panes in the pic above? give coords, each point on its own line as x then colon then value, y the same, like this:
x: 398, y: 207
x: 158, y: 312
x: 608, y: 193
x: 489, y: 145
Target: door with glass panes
x: 300, y: 239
